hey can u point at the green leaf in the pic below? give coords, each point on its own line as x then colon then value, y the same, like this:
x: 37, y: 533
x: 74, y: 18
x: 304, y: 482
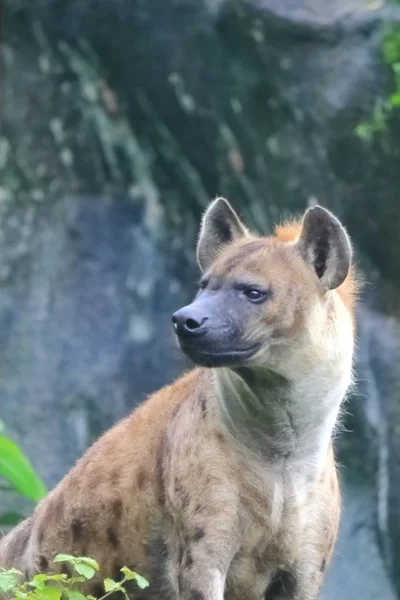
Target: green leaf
x: 110, y: 585
x: 57, y: 577
x: 75, y: 580
x: 129, y: 575
x: 68, y: 558
x: 39, y: 581
x: 17, y: 469
x: 48, y: 593
x: 86, y: 570
x: 141, y: 581
x: 74, y: 595
x: 83, y: 565
x: 91, y: 562
x: 9, y: 579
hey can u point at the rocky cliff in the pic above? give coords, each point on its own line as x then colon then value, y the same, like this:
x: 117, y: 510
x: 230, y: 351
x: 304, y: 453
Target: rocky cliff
x: 120, y: 121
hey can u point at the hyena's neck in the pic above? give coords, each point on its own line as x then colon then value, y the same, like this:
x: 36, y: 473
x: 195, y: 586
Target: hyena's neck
x: 279, y: 419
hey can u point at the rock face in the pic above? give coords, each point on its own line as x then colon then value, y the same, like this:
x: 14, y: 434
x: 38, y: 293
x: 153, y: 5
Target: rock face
x: 120, y: 121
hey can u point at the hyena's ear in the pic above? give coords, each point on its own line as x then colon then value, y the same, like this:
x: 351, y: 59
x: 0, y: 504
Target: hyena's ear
x: 325, y: 245
x: 220, y: 226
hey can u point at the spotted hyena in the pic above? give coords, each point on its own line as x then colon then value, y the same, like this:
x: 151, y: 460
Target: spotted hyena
x: 223, y: 485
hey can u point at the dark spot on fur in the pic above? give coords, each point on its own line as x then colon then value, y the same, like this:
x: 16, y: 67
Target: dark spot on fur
x: 180, y: 557
x: 323, y: 565
x: 77, y: 530
x: 220, y: 437
x: 161, y: 450
x: 41, y: 537
x: 117, y: 508
x: 43, y: 563
x: 182, y: 493
x: 137, y: 524
x: 115, y: 478
x: 198, y: 534
x: 283, y: 585
x: 185, y: 499
x: 175, y: 410
x: 189, y: 559
x: 196, y: 595
x: 141, y: 479
x: 198, y: 508
x: 98, y: 590
x: 112, y: 537
x: 203, y: 405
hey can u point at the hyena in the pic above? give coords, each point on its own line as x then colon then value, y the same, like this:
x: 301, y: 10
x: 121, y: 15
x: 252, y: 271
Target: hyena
x: 223, y: 485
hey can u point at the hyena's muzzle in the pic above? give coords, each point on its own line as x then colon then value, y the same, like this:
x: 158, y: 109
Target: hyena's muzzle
x: 211, y: 332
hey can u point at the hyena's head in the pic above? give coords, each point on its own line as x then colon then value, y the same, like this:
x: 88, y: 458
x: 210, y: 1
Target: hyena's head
x: 272, y: 302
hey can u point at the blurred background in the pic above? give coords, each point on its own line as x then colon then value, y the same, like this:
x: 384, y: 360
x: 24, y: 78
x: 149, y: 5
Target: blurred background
x: 120, y: 120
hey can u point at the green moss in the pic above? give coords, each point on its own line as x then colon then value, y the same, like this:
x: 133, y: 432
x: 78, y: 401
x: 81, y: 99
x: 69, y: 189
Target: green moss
x: 385, y: 109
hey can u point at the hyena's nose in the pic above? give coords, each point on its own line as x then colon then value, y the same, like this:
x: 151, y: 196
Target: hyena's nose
x: 187, y: 323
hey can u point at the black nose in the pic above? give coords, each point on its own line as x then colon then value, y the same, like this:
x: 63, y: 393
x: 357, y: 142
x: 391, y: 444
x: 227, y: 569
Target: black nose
x: 187, y: 322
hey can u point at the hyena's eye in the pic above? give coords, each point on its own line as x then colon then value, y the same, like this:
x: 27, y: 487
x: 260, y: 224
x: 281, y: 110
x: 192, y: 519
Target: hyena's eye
x: 255, y: 295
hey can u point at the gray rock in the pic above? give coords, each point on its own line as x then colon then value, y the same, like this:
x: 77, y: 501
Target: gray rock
x: 119, y: 122
x: 79, y: 324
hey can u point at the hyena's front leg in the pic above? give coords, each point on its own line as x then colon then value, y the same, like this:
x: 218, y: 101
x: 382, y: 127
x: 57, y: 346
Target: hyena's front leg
x: 199, y: 563
x: 206, y: 583
x: 200, y: 521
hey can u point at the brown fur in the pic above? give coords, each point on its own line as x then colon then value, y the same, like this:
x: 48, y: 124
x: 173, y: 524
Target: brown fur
x: 201, y: 508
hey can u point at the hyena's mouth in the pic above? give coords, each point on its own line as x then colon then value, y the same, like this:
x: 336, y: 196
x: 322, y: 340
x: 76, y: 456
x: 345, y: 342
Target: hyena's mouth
x: 210, y: 358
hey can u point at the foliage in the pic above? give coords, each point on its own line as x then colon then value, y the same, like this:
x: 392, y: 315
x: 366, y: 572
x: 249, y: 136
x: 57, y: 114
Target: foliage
x: 61, y: 586
x: 17, y: 475
x: 385, y: 108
